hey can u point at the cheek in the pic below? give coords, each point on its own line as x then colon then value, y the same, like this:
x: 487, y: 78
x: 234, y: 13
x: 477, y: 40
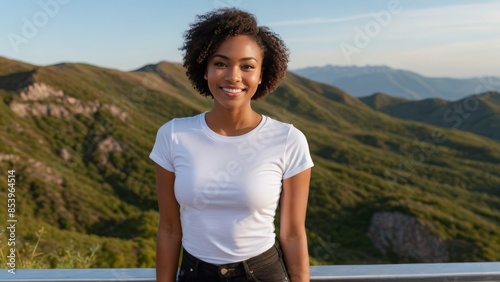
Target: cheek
x: 255, y: 78
x: 213, y: 73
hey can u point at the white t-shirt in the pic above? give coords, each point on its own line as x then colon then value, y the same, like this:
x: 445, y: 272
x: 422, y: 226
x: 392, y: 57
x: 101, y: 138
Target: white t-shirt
x: 228, y: 187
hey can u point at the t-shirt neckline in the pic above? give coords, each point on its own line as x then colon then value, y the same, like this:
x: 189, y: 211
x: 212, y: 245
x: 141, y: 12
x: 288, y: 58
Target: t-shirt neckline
x: 219, y: 137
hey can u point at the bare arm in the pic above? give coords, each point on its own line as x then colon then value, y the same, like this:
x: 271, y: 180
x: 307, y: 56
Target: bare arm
x: 293, y: 205
x: 168, y: 241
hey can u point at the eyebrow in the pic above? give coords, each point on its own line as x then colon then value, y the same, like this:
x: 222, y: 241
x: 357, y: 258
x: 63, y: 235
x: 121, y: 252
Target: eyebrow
x: 242, y: 59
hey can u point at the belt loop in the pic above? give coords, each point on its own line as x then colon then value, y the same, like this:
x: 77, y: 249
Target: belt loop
x: 248, y: 272
x: 278, y: 247
x: 196, y: 266
x: 280, y: 253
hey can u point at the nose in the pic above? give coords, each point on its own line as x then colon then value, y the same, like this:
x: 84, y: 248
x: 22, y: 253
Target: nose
x: 233, y: 74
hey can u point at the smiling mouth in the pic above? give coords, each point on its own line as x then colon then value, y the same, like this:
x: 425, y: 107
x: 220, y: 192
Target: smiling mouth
x: 232, y: 90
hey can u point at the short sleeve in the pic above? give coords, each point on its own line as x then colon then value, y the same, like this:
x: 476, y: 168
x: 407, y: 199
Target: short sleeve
x: 297, y: 155
x: 162, y: 149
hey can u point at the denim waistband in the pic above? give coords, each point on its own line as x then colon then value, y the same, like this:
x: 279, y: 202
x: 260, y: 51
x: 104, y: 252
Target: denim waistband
x: 241, y: 268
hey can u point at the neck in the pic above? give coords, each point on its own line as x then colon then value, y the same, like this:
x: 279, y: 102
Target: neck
x: 232, y: 122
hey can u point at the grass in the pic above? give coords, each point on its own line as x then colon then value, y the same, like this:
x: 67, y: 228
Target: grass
x: 27, y: 255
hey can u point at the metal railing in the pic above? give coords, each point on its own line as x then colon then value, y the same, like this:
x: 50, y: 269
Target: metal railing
x: 442, y: 272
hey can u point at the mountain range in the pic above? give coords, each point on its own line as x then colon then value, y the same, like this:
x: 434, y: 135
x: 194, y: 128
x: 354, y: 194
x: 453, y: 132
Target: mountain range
x: 367, y: 80
x: 386, y: 188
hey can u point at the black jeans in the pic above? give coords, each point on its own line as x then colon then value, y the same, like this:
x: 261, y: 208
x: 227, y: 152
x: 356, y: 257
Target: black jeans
x: 266, y: 267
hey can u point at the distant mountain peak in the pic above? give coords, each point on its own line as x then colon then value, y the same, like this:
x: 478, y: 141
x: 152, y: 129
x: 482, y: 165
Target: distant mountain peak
x: 162, y: 65
x: 163, y: 69
x: 361, y: 81
x: 353, y: 68
x: 147, y: 68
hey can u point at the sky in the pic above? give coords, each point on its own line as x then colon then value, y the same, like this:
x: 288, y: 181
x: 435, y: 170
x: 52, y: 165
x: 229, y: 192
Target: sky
x: 437, y: 38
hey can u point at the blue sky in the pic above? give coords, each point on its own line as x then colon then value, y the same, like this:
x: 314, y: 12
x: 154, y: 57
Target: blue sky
x: 432, y: 37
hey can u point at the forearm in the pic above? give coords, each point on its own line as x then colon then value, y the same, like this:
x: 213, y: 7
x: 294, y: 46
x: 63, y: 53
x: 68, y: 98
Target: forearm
x: 168, y: 245
x: 296, y: 256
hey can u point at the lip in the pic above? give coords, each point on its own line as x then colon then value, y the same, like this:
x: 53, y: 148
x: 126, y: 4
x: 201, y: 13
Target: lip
x: 232, y: 91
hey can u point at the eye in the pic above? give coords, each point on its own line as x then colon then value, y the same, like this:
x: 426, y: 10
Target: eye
x: 247, y: 67
x: 219, y: 64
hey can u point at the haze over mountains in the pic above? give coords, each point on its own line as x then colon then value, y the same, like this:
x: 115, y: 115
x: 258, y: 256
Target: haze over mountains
x: 367, y: 80
x: 383, y: 189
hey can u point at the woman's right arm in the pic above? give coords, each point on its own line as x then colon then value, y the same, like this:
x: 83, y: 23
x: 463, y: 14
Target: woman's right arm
x: 168, y: 241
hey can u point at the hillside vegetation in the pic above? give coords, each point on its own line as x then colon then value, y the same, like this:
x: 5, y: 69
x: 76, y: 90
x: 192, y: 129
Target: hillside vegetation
x: 78, y: 137
x: 479, y: 114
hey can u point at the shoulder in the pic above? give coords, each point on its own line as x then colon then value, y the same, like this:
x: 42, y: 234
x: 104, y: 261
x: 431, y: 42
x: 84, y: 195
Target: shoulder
x: 285, y: 128
x: 278, y: 125
x: 181, y: 123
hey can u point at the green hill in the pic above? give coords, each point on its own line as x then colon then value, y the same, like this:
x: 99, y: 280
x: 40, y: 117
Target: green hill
x: 381, y: 101
x: 479, y: 114
x: 78, y: 137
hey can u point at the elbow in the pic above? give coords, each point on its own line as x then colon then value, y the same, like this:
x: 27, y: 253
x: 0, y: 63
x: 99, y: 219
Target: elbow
x: 170, y: 230
x: 293, y: 234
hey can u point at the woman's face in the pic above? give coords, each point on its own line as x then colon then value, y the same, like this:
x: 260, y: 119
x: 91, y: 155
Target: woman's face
x: 234, y: 72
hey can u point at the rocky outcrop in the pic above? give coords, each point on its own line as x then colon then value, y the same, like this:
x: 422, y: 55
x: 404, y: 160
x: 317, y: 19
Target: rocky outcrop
x: 40, y: 99
x: 405, y: 236
x: 39, y: 109
x: 43, y: 171
x: 106, y: 147
x: 39, y: 91
x: 8, y: 157
x: 36, y: 168
x: 65, y: 154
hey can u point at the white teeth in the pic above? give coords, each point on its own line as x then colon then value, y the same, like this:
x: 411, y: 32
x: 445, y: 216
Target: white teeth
x: 231, y: 90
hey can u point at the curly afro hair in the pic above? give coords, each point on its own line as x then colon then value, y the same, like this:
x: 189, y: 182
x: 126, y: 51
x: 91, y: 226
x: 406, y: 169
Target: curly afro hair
x: 210, y: 30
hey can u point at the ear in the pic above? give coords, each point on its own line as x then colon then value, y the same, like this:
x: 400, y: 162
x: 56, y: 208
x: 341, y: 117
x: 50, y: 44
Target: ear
x: 205, y: 76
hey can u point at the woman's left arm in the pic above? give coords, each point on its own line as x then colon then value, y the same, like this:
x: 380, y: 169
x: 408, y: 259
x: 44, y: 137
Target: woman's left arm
x: 293, y: 206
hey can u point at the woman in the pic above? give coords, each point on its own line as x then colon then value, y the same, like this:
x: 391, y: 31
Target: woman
x: 221, y: 174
